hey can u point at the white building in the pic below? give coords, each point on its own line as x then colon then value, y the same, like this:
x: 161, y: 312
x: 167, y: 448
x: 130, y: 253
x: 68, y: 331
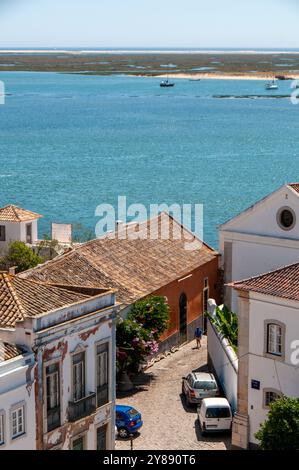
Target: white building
x: 17, y: 399
x: 72, y: 333
x: 17, y: 224
x: 268, y: 310
x: 262, y: 238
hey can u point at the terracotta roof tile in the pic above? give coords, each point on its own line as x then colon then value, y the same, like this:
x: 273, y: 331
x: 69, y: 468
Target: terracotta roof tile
x: 294, y: 186
x: 283, y: 282
x: 20, y: 298
x: 13, y: 213
x: 135, y: 268
x: 9, y: 351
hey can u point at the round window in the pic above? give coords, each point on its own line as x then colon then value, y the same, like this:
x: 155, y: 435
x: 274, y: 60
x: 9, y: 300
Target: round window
x: 286, y: 218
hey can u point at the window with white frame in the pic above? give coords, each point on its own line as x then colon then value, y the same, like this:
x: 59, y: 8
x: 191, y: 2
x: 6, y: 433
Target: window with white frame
x: 2, y: 430
x: 102, y: 374
x: 274, y: 339
x: 18, y: 421
x: 79, y: 376
x: 270, y: 396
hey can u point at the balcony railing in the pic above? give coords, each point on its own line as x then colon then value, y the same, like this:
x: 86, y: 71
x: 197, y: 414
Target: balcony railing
x: 81, y: 408
x: 53, y: 418
x: 102, y: 395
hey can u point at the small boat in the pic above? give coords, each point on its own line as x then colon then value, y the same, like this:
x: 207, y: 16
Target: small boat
x: 272, y: 85
x: 194, y: 79
x: 166, y: 83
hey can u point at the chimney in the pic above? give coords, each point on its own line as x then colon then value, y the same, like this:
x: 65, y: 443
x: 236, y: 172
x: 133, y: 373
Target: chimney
x: 12, y: 270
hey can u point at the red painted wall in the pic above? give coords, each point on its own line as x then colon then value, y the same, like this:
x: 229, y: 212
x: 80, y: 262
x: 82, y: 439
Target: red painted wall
x: 193, y: 288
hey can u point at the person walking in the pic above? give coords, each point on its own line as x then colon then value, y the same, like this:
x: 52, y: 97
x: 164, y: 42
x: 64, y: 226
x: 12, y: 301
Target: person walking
x: 198, y: 336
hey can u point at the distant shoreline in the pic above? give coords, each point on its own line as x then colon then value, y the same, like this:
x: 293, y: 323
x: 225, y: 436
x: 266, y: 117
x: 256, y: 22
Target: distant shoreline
x: 219, y: 76
x: 151, y: 51
x: 229, y: 65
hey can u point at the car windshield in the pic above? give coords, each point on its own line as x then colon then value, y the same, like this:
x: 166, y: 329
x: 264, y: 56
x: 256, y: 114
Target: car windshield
x: 204, y: 385
x: 132, y: 413
x: 223, y: 412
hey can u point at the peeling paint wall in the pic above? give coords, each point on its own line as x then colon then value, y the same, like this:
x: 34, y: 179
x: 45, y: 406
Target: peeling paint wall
x: 58, y: 344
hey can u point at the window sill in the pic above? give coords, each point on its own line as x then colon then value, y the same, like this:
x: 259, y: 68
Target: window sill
x: 275, y: 357
x: 19, y: 436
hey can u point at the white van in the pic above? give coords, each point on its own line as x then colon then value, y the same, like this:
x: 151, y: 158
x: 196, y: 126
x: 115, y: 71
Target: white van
x: 215, y: 415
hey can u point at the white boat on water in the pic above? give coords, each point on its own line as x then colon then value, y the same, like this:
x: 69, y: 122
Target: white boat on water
x: 272, y: 85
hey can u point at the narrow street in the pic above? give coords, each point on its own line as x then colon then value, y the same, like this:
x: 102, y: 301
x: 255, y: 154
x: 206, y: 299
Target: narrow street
x: 168, y: 423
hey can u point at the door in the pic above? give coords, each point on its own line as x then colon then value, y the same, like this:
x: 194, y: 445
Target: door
x: 183, y: 318
x: 101, y: 438
x: 218, y: 418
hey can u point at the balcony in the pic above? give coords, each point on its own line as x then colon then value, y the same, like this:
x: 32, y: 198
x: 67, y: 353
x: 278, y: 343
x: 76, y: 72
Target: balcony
x: 102, y: 395
x: 81, y: 408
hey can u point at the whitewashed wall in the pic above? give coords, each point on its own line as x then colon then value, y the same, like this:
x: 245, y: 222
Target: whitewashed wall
x: 225, y: 364
x: 274, y: 374
x: 17, y: 387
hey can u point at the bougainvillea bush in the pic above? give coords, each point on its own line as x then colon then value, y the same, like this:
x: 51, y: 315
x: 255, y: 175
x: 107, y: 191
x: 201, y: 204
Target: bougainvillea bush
x: 137, y: 337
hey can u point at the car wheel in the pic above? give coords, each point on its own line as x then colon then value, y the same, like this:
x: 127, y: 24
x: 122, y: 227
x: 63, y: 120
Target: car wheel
x: 123, y: 433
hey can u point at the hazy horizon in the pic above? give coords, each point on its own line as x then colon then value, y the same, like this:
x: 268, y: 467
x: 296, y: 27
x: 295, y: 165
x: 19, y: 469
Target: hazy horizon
x: 110, y: 24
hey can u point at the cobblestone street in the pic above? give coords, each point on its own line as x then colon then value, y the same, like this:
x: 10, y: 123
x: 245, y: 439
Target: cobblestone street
x: 167, y: 423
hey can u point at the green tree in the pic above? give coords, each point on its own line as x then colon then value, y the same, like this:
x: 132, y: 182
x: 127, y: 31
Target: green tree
x: 152, y: 313
x: 280, y: 431
x: 22, y: 256
x: 226, y: 322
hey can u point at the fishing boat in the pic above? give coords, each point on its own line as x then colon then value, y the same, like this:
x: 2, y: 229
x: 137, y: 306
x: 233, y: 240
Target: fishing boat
x: 272, y: 85
x: 166, y: 83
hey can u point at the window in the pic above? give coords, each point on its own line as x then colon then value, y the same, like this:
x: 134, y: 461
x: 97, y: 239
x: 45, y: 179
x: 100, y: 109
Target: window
x: 274, y: 339
x: 2, y: 233
x: 2, y: 438
x: 102, y: 374
x: 270, y: 396
x: 29, y: 233
x: 217, y: 412
x: 79, y: 376
x: 102, y: 438
x: 78, y: 443
x: 18, y: 421
x: 53, y: 396
x: 205, y: 294
x: 286, y: 218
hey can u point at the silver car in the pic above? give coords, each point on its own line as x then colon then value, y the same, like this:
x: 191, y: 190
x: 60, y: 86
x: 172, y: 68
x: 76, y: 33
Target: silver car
x: 199, y: 385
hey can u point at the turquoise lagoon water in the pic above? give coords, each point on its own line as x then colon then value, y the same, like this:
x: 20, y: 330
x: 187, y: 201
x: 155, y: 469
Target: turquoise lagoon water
x: 70, y: 142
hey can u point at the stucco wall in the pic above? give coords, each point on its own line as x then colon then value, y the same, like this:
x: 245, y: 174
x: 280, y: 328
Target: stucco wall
x: 224, y: 363
x: 274, y: 374
x: 16, y: 387
x: 192, y: 285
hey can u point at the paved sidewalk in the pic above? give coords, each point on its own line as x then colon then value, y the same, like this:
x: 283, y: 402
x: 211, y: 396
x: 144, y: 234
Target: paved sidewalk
x: 168, y: 423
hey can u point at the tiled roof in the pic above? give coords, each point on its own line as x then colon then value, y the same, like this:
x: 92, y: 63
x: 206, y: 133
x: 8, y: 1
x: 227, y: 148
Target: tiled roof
x: 13, y: 213
x: 20, y: 298
x: 283, y: 282
x: 9, y: 351
x: 135, y: 268
x: 294, y: 186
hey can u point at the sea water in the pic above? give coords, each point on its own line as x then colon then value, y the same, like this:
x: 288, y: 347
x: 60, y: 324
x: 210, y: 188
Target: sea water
x: 69, y: 142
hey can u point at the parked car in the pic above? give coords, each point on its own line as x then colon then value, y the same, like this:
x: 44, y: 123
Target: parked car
x: 199, y: 385
x: 128, y: 420
x: 215, y: 415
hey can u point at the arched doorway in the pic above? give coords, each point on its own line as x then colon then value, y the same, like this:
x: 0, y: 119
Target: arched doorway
x: 183, y: 318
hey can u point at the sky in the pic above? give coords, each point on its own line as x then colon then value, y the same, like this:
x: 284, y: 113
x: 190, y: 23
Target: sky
x: 149, y: 23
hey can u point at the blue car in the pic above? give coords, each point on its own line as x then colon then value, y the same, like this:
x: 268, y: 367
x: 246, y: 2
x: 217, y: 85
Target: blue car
x: 128, y: 420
